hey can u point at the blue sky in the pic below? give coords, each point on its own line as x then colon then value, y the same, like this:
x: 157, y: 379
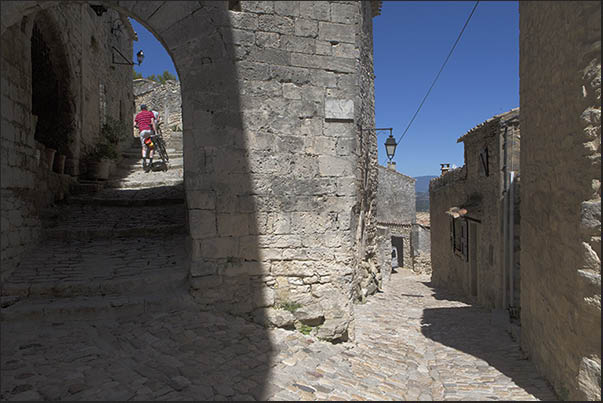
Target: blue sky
x: 411, y: 41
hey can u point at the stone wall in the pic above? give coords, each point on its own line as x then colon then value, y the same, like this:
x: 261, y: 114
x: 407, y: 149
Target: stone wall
x: 421, y: 249
x: 484, y: 197
x: 560, y: 95
x: 165, y: 99
x: 396, y: 197
x: 79, y: 65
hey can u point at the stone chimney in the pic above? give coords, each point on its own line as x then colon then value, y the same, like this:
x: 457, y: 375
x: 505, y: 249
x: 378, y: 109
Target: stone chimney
x: 444, y: 168
x: 391, y: 165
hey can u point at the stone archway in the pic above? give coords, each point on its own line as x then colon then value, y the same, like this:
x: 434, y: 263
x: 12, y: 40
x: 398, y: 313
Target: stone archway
x: 278, y: 173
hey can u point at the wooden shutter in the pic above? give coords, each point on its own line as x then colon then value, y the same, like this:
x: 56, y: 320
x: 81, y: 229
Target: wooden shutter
x: 452, y: 233
x: 464, y: 239
x: 483, y: 161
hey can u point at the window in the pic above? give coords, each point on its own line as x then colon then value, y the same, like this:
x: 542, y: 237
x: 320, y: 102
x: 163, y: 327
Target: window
x: 459, y: 237
x: 483, y: 162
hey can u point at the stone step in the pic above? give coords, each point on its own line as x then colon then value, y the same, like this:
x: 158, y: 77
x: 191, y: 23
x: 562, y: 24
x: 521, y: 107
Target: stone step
x: 93, y: 307
x: 117, y: 202
x: 152, y: 182
x: 146, y: 282
x: 131, y: 153
x: 86, y: 187
x: 86, y: 222
x: 108, y: 233
x: 152, y: 196
x: 131, y: 165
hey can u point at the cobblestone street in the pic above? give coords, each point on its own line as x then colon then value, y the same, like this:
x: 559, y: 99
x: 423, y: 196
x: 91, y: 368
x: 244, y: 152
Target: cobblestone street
x: 101, y: 311
x: 411, y: 344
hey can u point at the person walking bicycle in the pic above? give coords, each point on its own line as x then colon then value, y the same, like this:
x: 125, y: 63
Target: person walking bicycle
x: 145, y: 122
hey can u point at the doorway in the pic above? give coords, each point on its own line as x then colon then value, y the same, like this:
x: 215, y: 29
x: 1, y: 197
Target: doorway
x: 398, y: 243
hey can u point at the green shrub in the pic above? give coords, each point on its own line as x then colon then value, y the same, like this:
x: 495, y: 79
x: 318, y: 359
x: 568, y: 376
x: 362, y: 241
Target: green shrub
x: 305, y: 329
x: 289, y: 306
x: 114, y: 130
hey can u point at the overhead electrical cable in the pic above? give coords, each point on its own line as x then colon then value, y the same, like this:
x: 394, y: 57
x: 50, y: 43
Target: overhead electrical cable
x: 439, y: 72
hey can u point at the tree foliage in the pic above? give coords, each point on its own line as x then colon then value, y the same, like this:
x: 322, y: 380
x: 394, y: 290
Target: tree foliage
x: 162, y: 78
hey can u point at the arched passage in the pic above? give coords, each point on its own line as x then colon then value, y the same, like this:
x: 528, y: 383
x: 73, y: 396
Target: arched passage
x: 274, y: 176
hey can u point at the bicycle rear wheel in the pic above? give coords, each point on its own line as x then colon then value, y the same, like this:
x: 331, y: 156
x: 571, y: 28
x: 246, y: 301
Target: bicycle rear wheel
x: 161, y: 149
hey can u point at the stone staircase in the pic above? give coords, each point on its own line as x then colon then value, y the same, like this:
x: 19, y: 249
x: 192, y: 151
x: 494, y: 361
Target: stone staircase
x: 109, y: 248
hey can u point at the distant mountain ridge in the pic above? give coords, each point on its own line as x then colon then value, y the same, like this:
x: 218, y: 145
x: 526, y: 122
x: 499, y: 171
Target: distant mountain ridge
x: 422, y: 192
x: 422, y: 184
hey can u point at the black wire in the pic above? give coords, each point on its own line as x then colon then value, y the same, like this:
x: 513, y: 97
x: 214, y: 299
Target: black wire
x: 442, y: 68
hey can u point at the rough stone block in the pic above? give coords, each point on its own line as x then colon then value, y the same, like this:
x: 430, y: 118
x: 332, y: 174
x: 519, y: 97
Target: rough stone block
x: 344, y: 13
x: 291, y: 91
x: 339, y: 109
x: 298, y: 44
x: 200, y: 199
x: 243, y: 37
x: 275, y: 317
x: 244, y: 20
x: 254, y: 71
x: 202, y: 267
x: 223, y: 247
x: 316, y: 10
x: 346, y: 146
x: 287, y: 8
x: 307, y: 28
x: 333, y: 32
x: 345, y: 50
x: 331, y: 63
x: 270, y: 56
x: 591, y: 216
x: 323, y: 48
x: 233, y: 224
x: 275, y: 23
x: 310, y: 315
x: 267, y: 39
x: 299, y: 76
x: 257, y: 6
x: 202, y: 223
x: 333, y: 329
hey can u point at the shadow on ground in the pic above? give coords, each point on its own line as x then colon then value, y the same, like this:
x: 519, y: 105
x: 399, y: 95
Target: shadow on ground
x: 476, y: 331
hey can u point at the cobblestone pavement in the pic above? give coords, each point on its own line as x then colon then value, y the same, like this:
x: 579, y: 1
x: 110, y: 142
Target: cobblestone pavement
x: 411, y: 344
x: 101, y: 311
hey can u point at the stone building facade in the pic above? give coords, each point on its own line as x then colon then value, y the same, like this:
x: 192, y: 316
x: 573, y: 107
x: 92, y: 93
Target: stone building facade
x: 472, y: 222
x: 165, y: 99
x: 396, y: 216
x: 280, y: 180
x: 59, y: 85
x: 560, y: 98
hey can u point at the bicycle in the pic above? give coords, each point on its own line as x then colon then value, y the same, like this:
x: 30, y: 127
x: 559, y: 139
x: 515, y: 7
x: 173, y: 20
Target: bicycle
x: 158, y: 143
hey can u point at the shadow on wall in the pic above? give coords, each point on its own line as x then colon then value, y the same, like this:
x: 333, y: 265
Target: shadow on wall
x: 474, y: 330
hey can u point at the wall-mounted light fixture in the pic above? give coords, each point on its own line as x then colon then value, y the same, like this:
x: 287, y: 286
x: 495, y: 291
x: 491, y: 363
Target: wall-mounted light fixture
x: 390, y: 143
x: 139, y: 57
x: 99, y: 9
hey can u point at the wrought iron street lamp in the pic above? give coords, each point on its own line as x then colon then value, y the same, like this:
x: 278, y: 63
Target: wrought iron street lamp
x: 390, y: 146
x: 390, y: 143
x: 139, y: 57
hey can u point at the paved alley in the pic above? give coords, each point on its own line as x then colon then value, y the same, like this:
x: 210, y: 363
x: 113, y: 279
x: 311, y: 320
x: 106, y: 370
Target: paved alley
x: 101, y: 311
x: 411, y: 344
